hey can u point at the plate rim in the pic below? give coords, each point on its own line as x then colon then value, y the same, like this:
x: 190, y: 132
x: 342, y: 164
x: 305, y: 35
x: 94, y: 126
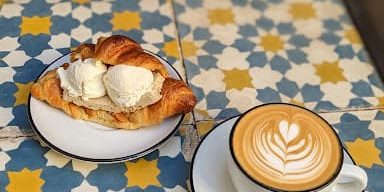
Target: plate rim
x: 101, y: 160
x: 193, y: 189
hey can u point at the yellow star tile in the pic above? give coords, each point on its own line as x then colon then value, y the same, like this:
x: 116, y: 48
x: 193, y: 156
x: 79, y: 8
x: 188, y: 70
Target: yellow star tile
x: 171, y: 48
x: 353, y: 36
x: 25, y: 180
x: 81, y: 1
x: 364, y: 152
x: 330, y: 72
x: 302, y: 11
x: 22, y: 93
x: 126, y: 20
x: 142, y: 173
x: 203, y: 127
x: 272, y: 43
x: 35, y: 25
x: 220, y: 16
x: 237, y: 79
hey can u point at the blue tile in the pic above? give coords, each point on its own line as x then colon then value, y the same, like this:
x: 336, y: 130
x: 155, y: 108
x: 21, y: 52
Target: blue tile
x: 268, y: 95
x: 33, y: 45
x: 207, y: 62
x: 265, y: 23
x: 297, y: 56
x: 123, y: 5
x: 213, y: 47
x: 60, y: 179
x: 239, y: 2
x: 363, y: 56
x: 299, y: 41
x: 362, y: 89
x: 379, y: 116
x: 379, y: 143
x: 259, y: 4
x: 29, y: 154
x: 330, y: 38
x: 191, y: 69
x: 332, y: 25
x: 200, y: 33
x: 174, y: 171
x: 20, y: 113
x: 311, y: 93
x: 199, y: 93
x: 10, y: 27
x: 247, y: 30
x: 287, y: 87
x: 257, y: 59
x: 7, y: 90
x: 29, y: 72
x: 99, y: 23
x: 194, y: 3
x: 280, y: 64
x: 216, y: 100
x: 358, y: 102
x: 154, y: 20
x: 285, y: 28
x: 108, y: 176
x: 227, y: 112
x: 244, y: 45
x: 63, y: 24
x: 4, y: 181
x: 345, y: 51
x: 183, y: 29
x: 375, y: 178
x: 375, y: 80
x: 325, y: 106
x: 351, y: 127
x: 36, y: 7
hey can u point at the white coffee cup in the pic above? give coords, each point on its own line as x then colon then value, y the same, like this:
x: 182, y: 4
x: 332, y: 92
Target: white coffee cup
x: 351, y: 178
x: 347, y: 178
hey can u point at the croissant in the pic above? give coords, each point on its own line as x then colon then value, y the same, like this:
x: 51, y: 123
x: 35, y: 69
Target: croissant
x: 177, y: 97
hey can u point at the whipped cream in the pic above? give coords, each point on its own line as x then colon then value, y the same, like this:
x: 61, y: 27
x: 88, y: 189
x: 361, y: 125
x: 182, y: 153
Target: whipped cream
x: 127, y: 84
x: 83, y: 79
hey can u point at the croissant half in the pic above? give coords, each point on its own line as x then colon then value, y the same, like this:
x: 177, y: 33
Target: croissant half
x: 177, y: 97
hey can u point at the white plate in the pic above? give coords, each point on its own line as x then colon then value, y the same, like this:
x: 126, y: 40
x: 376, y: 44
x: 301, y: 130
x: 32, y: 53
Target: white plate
x: 91, y: 141
x: 209, y: 169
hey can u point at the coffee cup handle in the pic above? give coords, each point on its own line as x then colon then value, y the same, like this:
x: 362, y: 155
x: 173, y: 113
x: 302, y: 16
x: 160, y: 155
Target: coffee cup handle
x: 351, y: 179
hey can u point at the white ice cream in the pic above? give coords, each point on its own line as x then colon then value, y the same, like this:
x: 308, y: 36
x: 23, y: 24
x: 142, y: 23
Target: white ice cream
x: 83, y: 79
x: 127, y: 84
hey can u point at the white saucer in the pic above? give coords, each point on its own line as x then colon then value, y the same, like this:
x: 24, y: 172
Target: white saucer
x: 209, y: 168
x: 91, y: 141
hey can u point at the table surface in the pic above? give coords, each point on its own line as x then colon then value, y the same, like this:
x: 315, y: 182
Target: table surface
x: 234, y: 55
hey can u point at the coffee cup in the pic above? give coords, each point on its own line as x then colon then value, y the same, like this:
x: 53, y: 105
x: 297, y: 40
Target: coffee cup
x: 284, y: 147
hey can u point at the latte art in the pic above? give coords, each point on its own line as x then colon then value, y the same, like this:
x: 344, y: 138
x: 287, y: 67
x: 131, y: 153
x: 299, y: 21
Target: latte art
x: 286, y: 147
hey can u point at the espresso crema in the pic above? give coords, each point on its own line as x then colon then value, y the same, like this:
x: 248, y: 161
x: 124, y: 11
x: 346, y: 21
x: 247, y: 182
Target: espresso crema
x: 285, y: 147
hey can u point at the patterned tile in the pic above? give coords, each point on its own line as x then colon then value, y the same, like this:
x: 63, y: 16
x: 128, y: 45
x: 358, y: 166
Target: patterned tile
x: 256, y: 50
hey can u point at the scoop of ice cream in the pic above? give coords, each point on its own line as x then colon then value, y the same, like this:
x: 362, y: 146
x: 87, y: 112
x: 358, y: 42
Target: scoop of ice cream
x: 83, y: 79
x: 126, y: 85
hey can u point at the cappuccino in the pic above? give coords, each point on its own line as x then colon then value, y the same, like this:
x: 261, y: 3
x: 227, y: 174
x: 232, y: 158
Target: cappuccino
x: 286, y: 148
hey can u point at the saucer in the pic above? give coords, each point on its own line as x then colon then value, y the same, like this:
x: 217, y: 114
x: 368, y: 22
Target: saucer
x: 209, y: 165
x: 94, y: 142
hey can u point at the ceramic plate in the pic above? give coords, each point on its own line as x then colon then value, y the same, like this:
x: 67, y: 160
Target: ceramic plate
x: 209, y: 166
x: 89, y: 141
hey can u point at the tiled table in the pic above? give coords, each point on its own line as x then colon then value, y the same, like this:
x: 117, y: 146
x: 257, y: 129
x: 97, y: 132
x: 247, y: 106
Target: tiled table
x: 234, y: 54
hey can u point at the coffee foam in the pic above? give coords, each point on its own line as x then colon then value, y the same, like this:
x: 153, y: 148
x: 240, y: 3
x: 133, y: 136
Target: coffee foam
x: 286, y: 147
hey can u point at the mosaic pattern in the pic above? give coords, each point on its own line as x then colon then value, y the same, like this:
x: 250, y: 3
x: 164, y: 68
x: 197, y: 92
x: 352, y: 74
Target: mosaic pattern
x: 236, y: 54
x: 241, y: 53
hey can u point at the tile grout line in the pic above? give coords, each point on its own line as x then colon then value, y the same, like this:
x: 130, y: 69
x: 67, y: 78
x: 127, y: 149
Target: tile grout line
x: 318, y: 112
x: 180, y: 49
